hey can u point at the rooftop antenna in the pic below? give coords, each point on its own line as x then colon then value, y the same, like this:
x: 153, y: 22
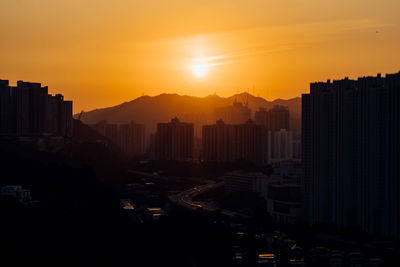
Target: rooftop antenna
x: 237, y: 92
x: 246, y: 99
x: 82, y: 114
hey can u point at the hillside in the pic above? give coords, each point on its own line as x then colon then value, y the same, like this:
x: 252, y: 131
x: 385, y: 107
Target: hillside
x: 150, y: 110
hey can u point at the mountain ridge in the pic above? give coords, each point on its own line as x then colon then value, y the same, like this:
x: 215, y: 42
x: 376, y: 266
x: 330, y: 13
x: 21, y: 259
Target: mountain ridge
x: 150, y: 110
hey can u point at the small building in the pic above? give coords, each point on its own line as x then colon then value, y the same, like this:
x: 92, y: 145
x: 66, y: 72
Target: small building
x: 238, y: 181
x: 284, y: 202
x: 16, y: 192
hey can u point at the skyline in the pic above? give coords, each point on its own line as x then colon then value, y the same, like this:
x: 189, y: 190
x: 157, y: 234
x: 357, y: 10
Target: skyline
x: 200, y: 133
x: 276, y: 48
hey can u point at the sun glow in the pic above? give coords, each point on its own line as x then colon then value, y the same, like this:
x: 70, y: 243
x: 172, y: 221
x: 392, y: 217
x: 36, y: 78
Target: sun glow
x: 199, y: 70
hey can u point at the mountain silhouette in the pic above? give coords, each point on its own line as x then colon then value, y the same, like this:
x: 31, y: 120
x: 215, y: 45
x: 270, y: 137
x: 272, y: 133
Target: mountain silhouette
x: 150, y: 110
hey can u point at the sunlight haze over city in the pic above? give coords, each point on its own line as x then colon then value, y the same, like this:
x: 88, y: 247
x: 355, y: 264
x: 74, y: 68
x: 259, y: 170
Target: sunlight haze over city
x: 101, y: 53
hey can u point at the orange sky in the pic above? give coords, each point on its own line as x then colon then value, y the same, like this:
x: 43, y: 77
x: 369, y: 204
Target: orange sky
x: 101, y: 53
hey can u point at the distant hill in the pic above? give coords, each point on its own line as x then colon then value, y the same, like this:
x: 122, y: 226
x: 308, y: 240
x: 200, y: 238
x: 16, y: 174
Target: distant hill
x: 150, y: 110
x: 85, y: 135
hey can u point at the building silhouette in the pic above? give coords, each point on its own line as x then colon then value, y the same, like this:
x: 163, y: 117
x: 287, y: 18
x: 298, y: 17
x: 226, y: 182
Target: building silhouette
x: 238, y: 181
x: 248, y: 142
x: 279, y: 118
x: 261, y: 117
x: 281, y: 146
x: 275, y: 119
x: 174, y: 141
x: 232, y: 143
x: 218, y: 142
x: 58, y: 117
x: 132, y: 138
x: 350, y: 153
x: 284, y: 202
x: 28, y: 110
x: 129, y: 137
x: 5, y: 108
x: 251, y: 143
x: 236, y: 114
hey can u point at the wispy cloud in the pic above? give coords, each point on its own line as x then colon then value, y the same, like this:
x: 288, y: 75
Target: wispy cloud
x: 242, y: 54
x: 229, y: 47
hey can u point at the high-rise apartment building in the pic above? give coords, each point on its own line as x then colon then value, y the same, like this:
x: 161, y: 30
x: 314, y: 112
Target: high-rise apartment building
x: 5, y: 106
x: 129, y: 137
x: 274, y: 119
x: 218, y: 142
x: 132, y: 138
x: 232, y: 143
x: 251, y: 143
x: 66, y: 119
x: 350, y: 153
x: 29, y: 107
x: 261, y: 117
x: 174, y: 141
x: 279, y: 118
x: 236, y: 114
x: 329, y: 151
x: 281, y: 147
x: 28, y: 110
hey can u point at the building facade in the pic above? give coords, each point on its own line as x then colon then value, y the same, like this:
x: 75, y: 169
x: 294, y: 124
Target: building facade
x: 279, y: 118
x: 246, y: 142
x: 218, y: 142
x: 236, y: 114
x: 5, y: 108
x: 275, y: 119
x: 129, y: 137
x: 174, y: 141
x: 281, y: 146
x: 350, y: 153
x: 28, y: 110
x: 261, y: 117
x: 238, y: 181
x: 132, y: 138
x: 284, y: 202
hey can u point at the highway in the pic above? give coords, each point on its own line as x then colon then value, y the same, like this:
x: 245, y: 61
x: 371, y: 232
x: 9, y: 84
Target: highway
x: 185, y: 199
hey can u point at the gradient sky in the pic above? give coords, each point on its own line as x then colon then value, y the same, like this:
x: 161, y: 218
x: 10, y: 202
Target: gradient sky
x: 101, y: 53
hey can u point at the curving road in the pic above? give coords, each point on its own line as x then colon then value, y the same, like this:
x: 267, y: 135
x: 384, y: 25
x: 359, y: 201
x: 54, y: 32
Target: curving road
x: 185, y: 199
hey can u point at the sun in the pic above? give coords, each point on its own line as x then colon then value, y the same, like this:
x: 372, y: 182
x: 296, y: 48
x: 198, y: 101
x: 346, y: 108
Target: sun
x: 199, y: 70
